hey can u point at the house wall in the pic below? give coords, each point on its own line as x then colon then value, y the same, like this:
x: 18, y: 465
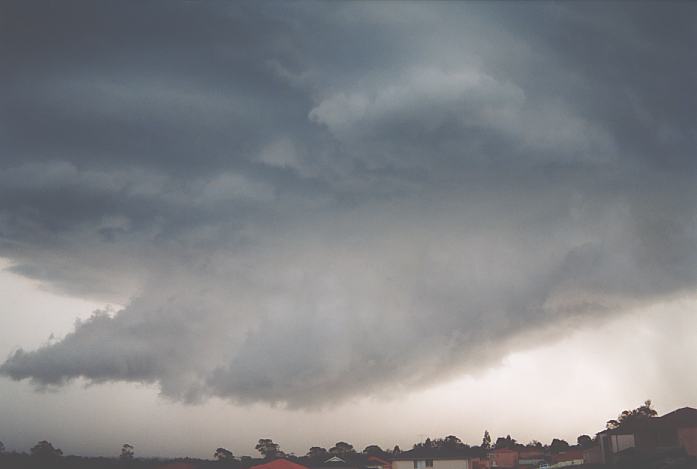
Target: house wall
x: 687, y: 438
x: 622, y: 442
x: 503, y: 458
x: 437, y: 464
x: 480, y: 463
x: 593, y: 455
x: 571, y: 462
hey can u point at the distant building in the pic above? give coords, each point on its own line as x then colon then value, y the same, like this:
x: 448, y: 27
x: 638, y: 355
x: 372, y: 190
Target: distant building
x: 353, y: 461
x: 504, y: 458
x: 441, y: 458
x: 570, y: 457
x: 593, y: 455
x: 280, y: 463
x: 678, y: 429
x: 531, y: 457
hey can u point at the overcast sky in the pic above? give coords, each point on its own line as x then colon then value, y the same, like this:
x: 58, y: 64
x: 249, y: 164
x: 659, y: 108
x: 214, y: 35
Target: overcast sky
x: 248, y: 218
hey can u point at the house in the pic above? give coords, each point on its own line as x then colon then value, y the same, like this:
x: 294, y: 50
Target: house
x: 353, y: 461
x: 279, y: 464
x: 570, y: 457
x: 441, y: 458
x: 530, y: 457
x: 677, y: 429
x: 504, y: 457
x: 592, y: 455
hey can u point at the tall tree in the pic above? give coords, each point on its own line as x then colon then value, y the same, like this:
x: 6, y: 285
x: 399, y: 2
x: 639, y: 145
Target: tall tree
x: 643, y: 412
x: 127, y: 451
x: 268, y: 448
x: 2, y: 447
x: 396, y: 450
x: 222, y: 454
x: 486, y: 440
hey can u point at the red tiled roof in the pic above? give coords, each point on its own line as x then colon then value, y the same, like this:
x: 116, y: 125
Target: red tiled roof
x: 279, y: 464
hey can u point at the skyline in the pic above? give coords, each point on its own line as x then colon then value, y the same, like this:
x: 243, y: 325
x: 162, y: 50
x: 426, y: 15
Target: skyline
x: 249, y: 218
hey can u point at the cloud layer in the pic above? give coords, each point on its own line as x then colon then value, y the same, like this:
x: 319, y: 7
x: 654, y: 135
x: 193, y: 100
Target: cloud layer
x: 302, y: 203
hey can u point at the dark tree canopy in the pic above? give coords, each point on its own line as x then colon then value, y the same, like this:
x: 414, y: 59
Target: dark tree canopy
x: 451, y: 442
x: 396, y: 450
x: 374, y: 450
x: 341, y: 448
x: 558, y: 445
x: 127, y: 451
x: 642, y: 412
x: 448, y: 442
x: 427, y: 443
x: 268, y: 448
x: 2, y: 447
x: 317, y: 452
x: 507, y: 442
x: 222, y: 454
x: 584, y: 441
x: 45, y: 450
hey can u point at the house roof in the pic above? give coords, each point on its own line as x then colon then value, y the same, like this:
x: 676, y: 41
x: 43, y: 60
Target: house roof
x: 679, y: 418
x: 351, y: 460
x: 684, y: 417
x: 439, y: 453
x: 279, y: 464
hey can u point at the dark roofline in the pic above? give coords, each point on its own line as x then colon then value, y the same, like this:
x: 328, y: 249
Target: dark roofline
x: 438, y: 454
x: 684, y: 416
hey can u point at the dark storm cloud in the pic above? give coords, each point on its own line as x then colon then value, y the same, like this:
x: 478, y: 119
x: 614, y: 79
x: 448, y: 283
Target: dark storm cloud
x: 306, y: 202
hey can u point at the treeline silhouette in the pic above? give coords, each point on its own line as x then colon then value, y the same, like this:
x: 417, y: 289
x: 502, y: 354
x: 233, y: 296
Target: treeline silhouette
x: 45, y: 455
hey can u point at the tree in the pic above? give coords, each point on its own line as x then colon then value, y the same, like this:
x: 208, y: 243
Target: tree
x: 534, y: 444
x: 268, y: 448
x: 486, y: 441
x: 317, y: 452
x: 507, y: 442
x: 222, y: 454
x: 127, y: 451
x: 451, y: 442
x: 584, y: 441
x: 558, y: 446
x: 2, y: 447
x: 45, y: 450
x: 396, y: 450
x: 341, y: 448
x: 643, y: 412
x: 373, y: 450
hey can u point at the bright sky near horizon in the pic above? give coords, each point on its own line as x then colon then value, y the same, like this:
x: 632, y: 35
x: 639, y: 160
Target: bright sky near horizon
x: 366, y: 221
x: 557, y: 389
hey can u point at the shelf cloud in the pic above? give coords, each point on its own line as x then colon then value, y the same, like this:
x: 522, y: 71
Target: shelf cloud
x: 305, y: 203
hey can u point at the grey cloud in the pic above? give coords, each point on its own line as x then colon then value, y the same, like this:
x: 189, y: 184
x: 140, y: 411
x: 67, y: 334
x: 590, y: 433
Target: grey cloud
x: 300, y: 204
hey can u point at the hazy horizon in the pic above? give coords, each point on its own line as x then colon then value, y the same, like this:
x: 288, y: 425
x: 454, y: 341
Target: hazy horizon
x: 361, y: 221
